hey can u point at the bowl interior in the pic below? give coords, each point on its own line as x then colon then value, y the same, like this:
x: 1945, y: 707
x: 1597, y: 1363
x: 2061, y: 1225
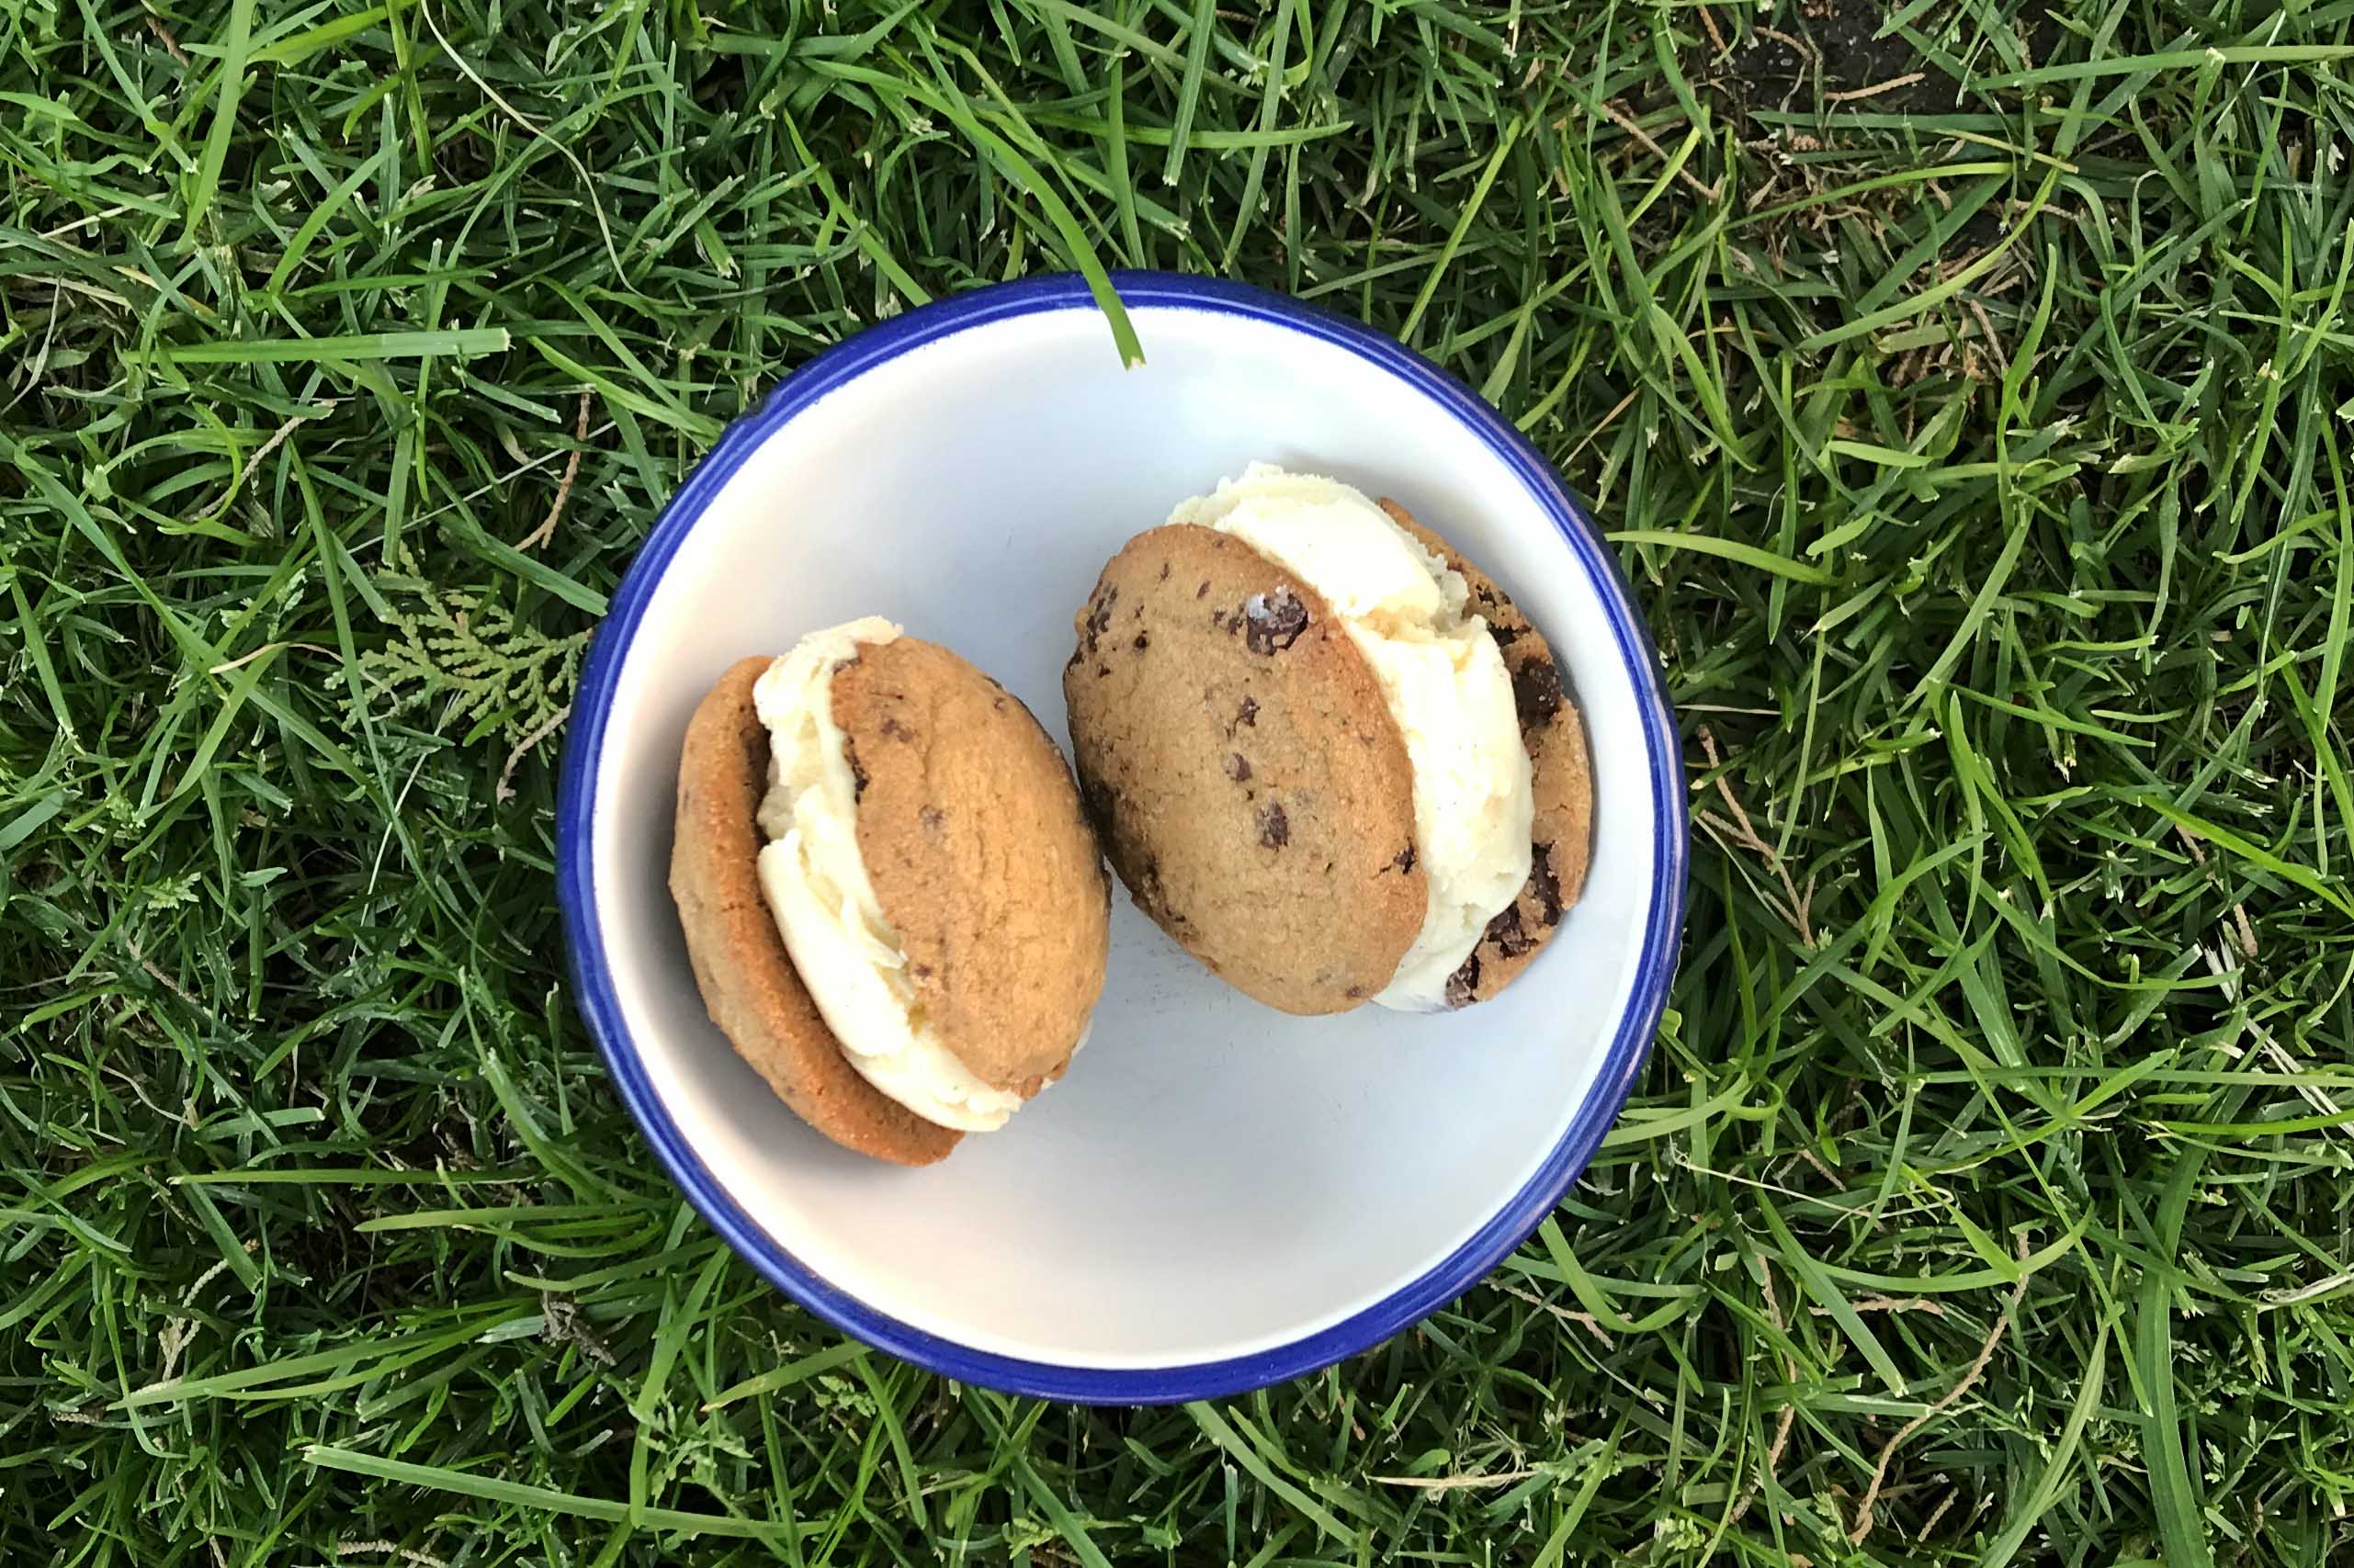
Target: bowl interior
x: 1212, y: 1179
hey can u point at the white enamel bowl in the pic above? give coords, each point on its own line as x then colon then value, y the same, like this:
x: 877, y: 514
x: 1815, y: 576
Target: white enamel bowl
x: 1217, y: 1196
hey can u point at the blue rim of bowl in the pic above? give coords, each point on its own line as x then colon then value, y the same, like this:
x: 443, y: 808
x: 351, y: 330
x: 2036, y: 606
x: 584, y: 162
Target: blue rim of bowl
x: 1361, y: 1330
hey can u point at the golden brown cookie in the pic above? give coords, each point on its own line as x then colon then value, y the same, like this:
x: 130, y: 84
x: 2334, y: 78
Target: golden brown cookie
x: 984, y: 865
x: 747, y: 978
x: 1562, y: 829
x: 1239, y: 759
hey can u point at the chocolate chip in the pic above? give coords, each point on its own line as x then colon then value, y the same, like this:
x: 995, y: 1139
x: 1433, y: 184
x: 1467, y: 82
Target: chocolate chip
x: 1464, y: 984
x: 1536, y: 693
x: 1505, y: 635
x: 1099, y: 617
x: 1404, y: 861
x: 1098, y: 799
x: 1102, y: 669
x: 1354, y: 992
x: 857, y: 773
x: 1505, y: 931
x: 1076, y: 655
x: 894, y: 731
x: 921, y: 971
x: 1237, y: 766
x: 1141, y: 643
x: 1164, y: 571
x: 1204, y: 591
x: 1546, y: 886
x: 1275, y: 620
x: 1275, y: 827
x: 1248, y: 713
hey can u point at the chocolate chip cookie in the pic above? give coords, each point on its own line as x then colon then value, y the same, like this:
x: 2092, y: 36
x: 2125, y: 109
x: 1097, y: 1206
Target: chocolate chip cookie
x: 985, y: 864
x: 1236, y: 756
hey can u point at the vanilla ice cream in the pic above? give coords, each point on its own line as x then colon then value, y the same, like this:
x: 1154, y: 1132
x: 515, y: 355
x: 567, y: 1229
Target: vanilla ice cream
x: 1445, y: 685
x: 815, y: 881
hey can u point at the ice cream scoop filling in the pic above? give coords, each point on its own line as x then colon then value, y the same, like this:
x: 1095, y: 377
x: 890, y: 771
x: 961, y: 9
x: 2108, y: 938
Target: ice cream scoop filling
x: 1442, y: 679
x: 814, y: 878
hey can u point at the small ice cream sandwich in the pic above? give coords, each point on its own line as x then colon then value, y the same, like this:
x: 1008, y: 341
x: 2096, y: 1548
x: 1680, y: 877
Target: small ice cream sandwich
x: 896, y: 910
x: 1326, y: 753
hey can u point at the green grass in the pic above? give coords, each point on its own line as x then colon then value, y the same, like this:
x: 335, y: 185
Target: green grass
x: 1970, y: 405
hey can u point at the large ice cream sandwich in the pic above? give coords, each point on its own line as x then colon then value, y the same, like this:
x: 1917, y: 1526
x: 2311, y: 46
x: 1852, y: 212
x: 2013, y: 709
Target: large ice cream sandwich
x: 1326, y: 753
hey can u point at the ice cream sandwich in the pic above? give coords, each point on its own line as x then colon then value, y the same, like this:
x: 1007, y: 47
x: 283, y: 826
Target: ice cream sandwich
x: 1327, y: 753
x: 895, y: 909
